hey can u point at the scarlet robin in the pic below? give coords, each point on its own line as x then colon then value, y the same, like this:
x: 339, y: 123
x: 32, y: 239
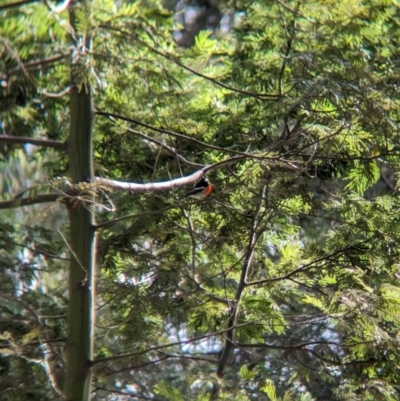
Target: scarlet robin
x: 202, y: 189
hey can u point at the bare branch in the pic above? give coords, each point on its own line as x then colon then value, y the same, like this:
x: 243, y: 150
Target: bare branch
x: 235, y: 303
x: 156, y: 187
x: 132, y: 216
x: 34, y: 65
x: 18, y: 202
x: 174, y: 59
x: 58, y: 94
x: 142, y: 365
x: 190, y: 357
x: 164, y: 146
x: 172, y: 133
x: 32, y: 141
x: 170, y: 57
x: 155, y: 348
x: 260, y: 156
x: 33, y: 250
x: 303, y: 347
x: 163, y: 346
x: 171, y: 184
x: 291, y: 32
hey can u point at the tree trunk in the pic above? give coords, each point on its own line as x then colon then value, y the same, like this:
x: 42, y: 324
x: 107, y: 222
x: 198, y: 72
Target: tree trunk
x: 82, y: 242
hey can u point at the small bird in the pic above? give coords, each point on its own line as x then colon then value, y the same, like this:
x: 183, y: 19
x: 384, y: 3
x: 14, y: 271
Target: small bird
x: 202, y: 189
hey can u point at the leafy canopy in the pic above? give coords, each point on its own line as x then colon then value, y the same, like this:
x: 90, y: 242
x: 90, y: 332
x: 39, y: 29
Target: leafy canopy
x: 290, y: 268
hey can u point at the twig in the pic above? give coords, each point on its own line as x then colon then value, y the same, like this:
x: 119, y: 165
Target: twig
x: 133, y: 216
x: 73, y: 252
x: 166, y: 147
x: 260, y: 96
x: 173, y: 344
x: 232, y: 322
x: 142, y: 365
x: 295, y: 12
x: 172, y: 58
x: 18, y: 202
x: 172, y: 133
x: 49, y: 255
x: 32, y: 141
x: 30, y: 66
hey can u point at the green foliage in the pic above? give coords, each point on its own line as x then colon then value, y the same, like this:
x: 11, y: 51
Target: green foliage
x: 270, y: 390
x: 298, y: 245
x: 170, y: 393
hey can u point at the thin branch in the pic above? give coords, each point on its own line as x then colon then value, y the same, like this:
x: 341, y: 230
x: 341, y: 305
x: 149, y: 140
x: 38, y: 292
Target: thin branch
x: 326, y: 157
x: 306, y: 267
x: 57, y: 340
x: 307, y: 286
x: 133, y: 216
x: 193, y: 243
x: 153, y: 187
x: 168, y: 148
x: 387, y: 182
x: 248, y: 261
x: 177, y: 343
x: 155, y: 348
x: 34, y: 251
x: 131, y: 395
x: 33, y: 65
x: 259, y: 156
x: 18, y: 202
x: 286, y: 347
x: 190, y: 357
x: 260, y: 96
x: 287, y: 52
x: 169, y: 132
x: 73, y: 254
x: 302, y: 347
x: 295, y: 12
x: 58, y: 94
x: 32, y: 141
x: 48, y: 352
x: 207, y: 294
x: 172, y: 58
x: 142, y: 365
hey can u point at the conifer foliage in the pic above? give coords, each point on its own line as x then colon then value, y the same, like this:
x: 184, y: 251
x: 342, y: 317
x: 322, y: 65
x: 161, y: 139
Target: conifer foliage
x: 283, y: 284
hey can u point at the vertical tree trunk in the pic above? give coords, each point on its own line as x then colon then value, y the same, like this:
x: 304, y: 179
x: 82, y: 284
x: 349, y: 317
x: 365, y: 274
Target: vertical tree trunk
x: 82, y: 242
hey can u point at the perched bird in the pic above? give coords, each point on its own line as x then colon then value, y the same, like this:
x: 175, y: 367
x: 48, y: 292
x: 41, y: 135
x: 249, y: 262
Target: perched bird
x: 202, y: 189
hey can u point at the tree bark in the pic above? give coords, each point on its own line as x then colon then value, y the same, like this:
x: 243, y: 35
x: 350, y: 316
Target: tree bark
x: 82, y: 243
x: 39, y: 142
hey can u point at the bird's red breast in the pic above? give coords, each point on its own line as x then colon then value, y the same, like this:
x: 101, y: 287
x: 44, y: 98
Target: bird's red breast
x: 207, y: 190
